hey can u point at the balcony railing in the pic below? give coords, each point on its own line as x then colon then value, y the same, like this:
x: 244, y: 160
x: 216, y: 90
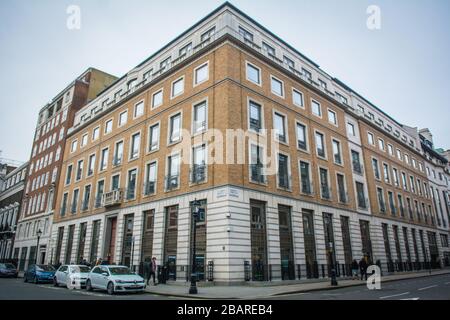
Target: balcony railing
x: 257, y: 173
x: 149, y: 188
x: 172, y: 182
x: 112, y: 198
x: 198, y: 173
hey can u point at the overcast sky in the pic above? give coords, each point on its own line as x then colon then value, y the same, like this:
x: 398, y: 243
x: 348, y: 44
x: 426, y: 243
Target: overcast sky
x: 403, y: 68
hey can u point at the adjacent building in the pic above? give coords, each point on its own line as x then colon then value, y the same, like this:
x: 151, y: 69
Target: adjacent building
x: 48, y: 147
x: 11, y: 193
x: 295, y: 171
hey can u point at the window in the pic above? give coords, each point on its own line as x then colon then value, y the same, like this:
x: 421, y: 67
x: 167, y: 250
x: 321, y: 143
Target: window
x: 84, y: 140
x: 131, y: 187
x: 255, y: 115
x: 306, y: 74
x: 289, y: 62
x: 316, y: 109
x: 131, y: 84
x: 279, y: 124
x: 115, y: 182
x: 361, y: 198
x: 198, y: 170
x: 370, y: 138
x: 322, y: 84
x: 135, y: 145
x: 175, y: 128
x: 157, y: 99
x: 253, y: 74
x: 100, y: 190
x: 201, y: 74
x: 386, y: 173
x: 399, y: 155
x: 396, y: 178
x: 208, y: 34
x: 118, y: 153
x: 154, y: 138
x: 320, y: 146
x: 91, y: 165
x: 75, y: 195
x: 108, y: 126
x: 400, y: 205
x: 79, y: 170
x: 150, y: 180
x: 283, y: 171
x: 104, y: 159
x: 297, y: 98
x: 123, y: 117
x: 337, y: 151
x: 95, y: 133
x: 138, y: 109
x: 392, y: 203
x: 173, y: 172
x: 276, y: 86
x: 199, y: 119
x: 269, y: 49
x: 390, y: 150
x: 305, y: 178
x: 257, y: 164
x: 376, y: 170
x: 165, y: 63
x: 411, y: 181
x: 177, y: 87
x: 73, y: 146
x: 301, y: 137
x: 185, y: 50
x: 63, y: 204
x: 381, y: 144
x: 351, y: 129
x: 57, y: 154
x: 332, y: 117
x: 356, y: 163
x: 405, y: 184
x: 324, y: 186
x: 342, y: 193
x: 68, y: 174
x: 86, y: 197
x: 245, y: 34
x: 381, y: 203
x: 407, y: 159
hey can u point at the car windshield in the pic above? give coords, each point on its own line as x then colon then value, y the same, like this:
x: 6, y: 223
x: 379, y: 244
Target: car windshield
x: 81, y: 269
x: 45, y: 268
x: 120, y: 271
x: 9, y: 266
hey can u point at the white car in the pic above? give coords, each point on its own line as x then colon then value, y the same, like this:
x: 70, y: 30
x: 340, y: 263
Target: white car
x: 71, y: 276
x: 114, y: 279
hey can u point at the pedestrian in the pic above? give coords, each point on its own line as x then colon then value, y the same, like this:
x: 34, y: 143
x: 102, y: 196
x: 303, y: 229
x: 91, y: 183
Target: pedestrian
x: 355, y: 268
x: 98, y: 262
x: 147, y: 269
x: 363, y: 268
x: 153, y: 270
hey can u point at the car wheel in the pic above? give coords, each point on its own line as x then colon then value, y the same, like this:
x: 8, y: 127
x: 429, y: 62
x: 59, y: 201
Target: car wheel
x: 110, y: 288
x: 55, y: 282
x: 88, y: 285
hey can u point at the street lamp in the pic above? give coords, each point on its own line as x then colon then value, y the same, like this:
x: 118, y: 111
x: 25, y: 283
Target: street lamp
x: 38, y: 233
x: 195, y: 214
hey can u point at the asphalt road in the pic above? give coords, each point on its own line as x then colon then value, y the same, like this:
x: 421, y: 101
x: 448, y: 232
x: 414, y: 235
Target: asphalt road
x: 427, y: 288
x: 16, y: 289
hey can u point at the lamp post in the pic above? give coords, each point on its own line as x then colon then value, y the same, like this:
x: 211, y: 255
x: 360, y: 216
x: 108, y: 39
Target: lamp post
x: 195, y: 213
x: 38, y: 233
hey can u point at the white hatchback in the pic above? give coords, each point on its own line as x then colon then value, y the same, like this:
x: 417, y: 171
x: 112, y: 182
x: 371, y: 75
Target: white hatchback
x: 114, y: 279
x: 72, y: 276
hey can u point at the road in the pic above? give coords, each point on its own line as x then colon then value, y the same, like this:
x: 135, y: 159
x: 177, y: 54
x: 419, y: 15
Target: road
x: 16, y: 289
x: 427, y: 288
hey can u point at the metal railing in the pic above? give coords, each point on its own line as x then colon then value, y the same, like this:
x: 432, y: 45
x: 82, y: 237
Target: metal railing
x: 112, y: 198
x: 149, y: 188
x: 172, y: 182
x: 198, y: 173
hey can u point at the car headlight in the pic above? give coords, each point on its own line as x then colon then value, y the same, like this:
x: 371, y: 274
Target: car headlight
x: 119, y: 281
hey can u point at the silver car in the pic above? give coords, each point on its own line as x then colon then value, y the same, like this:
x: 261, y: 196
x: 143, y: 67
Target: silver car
x: 114, y: 279
x: 71, y: 276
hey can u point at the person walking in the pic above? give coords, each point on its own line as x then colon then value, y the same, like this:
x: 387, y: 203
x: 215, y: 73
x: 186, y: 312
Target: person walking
x: 363, y: 268
x: 147, y: 269
x: 355, y: 268
x: 153, y: 270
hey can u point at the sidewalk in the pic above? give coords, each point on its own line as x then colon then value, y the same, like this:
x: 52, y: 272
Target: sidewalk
x: 271, y: 290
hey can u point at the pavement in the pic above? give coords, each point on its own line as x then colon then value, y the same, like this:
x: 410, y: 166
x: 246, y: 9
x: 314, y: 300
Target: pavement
x: 274, y: 290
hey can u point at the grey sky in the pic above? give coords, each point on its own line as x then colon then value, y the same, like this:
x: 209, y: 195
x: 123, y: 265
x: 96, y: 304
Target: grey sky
x: 403, y: 68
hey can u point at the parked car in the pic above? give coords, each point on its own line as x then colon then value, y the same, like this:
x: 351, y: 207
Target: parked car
x: 39, y: 273
x: 114, y: 279
x: 8, y: 270
x: 71, y: 276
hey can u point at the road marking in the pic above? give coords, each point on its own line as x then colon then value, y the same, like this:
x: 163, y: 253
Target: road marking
x: 425, y: 288
x: 410, y: 299
x: 395, y: 295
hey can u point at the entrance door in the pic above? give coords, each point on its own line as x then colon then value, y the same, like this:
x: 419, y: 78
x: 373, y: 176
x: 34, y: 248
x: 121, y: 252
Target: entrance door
x: 170, y: 241
x: 127, y: 241
x: 112, y: 240
x: 258, y: 241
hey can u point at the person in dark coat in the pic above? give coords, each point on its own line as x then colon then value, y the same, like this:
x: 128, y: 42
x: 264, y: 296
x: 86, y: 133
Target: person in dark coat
x: 153, y: 270
x: 354, y: 268
x: 363, y: 268
x: 147, y: 269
